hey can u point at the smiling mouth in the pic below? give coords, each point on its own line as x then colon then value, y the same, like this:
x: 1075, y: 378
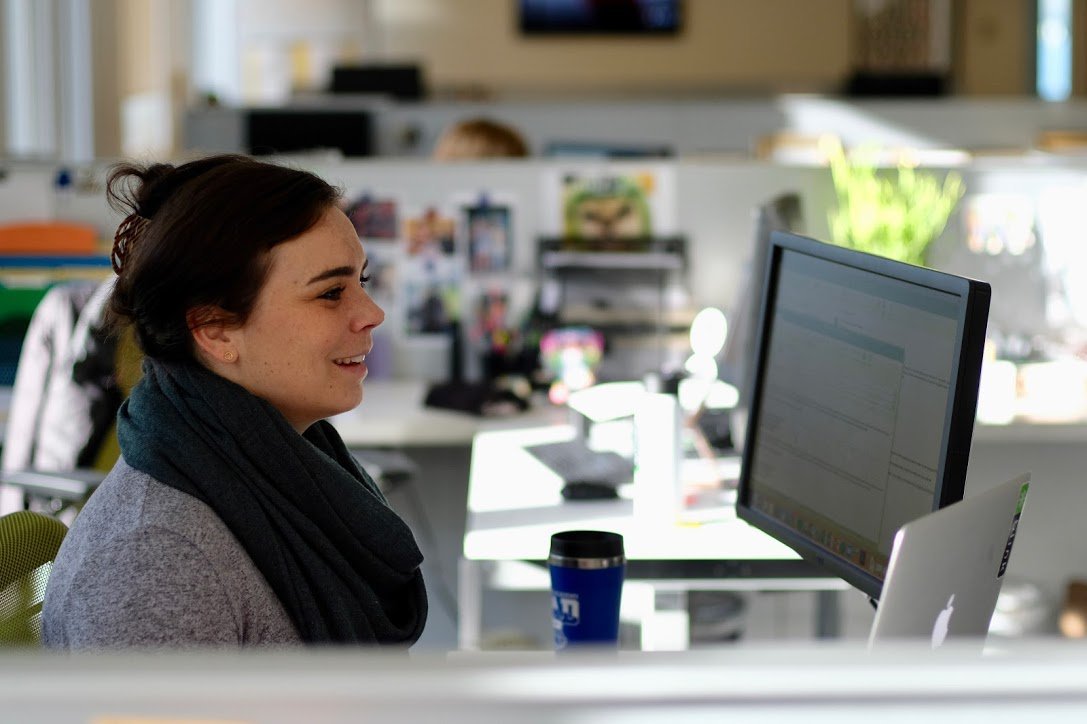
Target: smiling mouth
x: 350, y: 361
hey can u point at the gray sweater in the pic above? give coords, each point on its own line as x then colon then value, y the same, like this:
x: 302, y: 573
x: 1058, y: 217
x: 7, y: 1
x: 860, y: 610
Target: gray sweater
x: 145, y: 565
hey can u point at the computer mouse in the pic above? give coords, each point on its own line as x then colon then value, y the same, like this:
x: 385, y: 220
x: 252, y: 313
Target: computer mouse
x: 587, y: 490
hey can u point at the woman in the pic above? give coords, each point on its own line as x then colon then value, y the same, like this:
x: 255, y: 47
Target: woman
x: 235, y: 515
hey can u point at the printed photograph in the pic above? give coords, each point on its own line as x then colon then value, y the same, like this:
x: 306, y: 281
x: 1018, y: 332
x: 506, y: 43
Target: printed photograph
x: 488, y: 237
x: 607, y: 207
x: 373, y: 218
x: 430, y: 234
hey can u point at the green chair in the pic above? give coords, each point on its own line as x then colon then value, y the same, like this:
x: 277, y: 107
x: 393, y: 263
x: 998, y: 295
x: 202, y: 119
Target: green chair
x: 29, y: 542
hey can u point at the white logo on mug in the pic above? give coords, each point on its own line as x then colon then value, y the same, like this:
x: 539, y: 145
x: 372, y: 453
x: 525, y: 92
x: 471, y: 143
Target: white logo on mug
x: 565, y: 608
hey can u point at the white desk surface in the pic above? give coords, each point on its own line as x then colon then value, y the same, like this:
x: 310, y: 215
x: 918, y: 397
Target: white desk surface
x: 515, y: 504
x: 392, y: 414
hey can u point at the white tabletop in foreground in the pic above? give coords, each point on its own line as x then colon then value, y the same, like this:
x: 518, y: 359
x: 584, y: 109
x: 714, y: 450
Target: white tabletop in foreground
x: 515, y: 504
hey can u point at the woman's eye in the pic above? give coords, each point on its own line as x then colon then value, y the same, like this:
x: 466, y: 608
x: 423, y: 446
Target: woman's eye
x: 334, y: 294
x: 364, y: 280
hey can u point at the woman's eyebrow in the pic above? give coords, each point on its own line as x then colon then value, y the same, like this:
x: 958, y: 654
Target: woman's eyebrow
x: 339, y: 271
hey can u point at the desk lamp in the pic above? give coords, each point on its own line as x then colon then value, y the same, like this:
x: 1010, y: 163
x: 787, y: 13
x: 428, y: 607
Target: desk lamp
x: 703, y: 393
x: 702, y: 387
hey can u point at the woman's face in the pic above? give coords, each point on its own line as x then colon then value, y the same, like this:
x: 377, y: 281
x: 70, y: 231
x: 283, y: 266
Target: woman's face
x: 303, y: 346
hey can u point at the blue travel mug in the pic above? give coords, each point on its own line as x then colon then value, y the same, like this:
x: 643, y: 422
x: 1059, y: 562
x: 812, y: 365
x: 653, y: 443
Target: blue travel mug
x: 587, y: 568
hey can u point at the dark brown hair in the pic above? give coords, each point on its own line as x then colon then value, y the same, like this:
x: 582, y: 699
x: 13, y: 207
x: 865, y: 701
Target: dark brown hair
x: 210, y: 225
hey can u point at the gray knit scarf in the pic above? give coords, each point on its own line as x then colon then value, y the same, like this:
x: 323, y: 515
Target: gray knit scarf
x: 344, y: 565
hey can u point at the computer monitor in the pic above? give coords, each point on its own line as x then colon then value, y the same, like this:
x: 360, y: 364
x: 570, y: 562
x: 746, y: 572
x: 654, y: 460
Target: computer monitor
x: 289, y: 130
x: 402, y: 81
x: 593, y: 17
x: 781, y: 213
x: 862, y: 405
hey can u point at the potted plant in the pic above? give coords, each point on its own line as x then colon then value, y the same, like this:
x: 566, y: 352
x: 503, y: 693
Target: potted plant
x: 896, y: 213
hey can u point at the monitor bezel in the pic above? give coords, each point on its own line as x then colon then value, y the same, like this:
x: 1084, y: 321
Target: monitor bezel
x: 963, y: 393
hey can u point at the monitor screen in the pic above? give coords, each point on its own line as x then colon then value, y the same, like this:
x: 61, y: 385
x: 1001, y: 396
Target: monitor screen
x: 592, y: 17
x: 862, y: 404
x: 401, y: 81
x: 288, y: 130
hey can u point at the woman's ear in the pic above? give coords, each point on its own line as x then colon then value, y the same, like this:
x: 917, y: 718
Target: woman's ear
x: 213, y: 334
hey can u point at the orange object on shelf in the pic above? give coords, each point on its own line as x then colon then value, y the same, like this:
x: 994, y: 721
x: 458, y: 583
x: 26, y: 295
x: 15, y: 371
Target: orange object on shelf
x: 48, y: 237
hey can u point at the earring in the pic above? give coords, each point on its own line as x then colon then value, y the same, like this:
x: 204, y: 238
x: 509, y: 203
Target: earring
x: 228, y: 356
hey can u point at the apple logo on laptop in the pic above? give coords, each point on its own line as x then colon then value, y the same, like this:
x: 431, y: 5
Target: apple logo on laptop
x: 939, y: 630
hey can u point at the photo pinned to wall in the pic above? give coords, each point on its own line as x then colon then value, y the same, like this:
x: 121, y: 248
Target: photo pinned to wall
x: 487, y: 226
x: 430, y: 233
x: 374, y: 217
x: 607, y: 207
x: 610, y: 208
x: 429, y: 289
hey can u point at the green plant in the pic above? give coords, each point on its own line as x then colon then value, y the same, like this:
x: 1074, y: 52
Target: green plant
x: 894, y: 213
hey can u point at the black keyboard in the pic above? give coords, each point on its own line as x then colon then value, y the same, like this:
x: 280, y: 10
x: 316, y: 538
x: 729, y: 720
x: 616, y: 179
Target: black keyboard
x: 573, y: 461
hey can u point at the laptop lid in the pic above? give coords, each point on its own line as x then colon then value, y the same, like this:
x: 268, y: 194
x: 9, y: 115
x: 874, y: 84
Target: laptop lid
x: 946, y: 568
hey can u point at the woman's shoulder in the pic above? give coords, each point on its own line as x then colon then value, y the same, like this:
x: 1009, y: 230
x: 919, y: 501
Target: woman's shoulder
x: 129, y: 497
x: 140, y: 544
x: 132, y: 505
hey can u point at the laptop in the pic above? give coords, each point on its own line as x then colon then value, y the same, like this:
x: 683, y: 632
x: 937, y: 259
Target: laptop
x: 946, y: 569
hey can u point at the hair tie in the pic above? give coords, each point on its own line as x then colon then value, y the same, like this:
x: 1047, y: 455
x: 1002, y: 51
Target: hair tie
x: 128, y: 232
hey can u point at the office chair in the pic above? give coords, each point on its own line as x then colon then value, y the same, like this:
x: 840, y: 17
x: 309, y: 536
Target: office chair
x: 29, y: 542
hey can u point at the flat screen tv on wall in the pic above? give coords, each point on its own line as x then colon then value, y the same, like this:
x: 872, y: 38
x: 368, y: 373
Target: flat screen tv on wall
x: 600, y: 17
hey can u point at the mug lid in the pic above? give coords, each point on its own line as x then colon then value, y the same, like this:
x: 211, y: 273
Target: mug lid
x: 586, y: 544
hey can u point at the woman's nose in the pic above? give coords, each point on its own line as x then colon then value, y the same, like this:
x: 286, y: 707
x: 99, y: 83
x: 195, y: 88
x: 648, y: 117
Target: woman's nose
x: 368, y: 314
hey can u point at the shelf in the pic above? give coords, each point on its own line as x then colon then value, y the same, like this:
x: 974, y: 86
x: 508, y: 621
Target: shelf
x: 647, y: 328
x: 653, y: 261
x: 593, y: 315
x: 658, y: 254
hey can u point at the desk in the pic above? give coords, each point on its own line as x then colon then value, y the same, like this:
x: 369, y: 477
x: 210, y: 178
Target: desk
x: 515, y: 504
x: 393, y: 414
